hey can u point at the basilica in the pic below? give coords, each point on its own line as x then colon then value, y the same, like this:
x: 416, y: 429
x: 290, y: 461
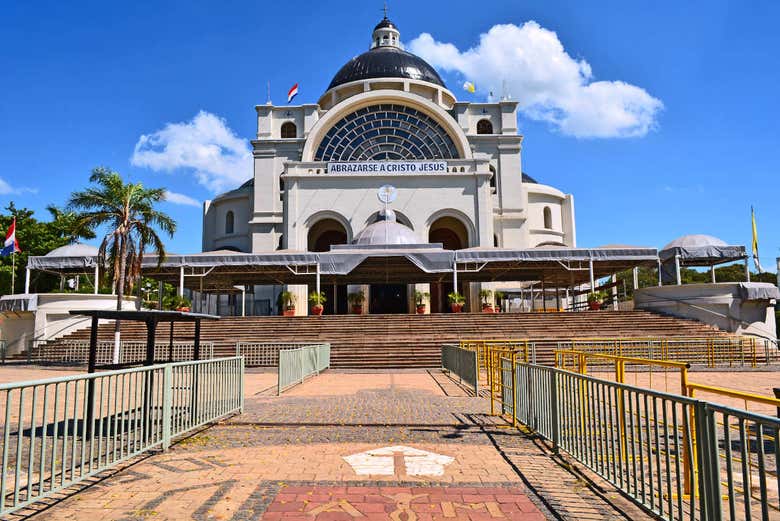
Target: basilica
x: 388, y: 119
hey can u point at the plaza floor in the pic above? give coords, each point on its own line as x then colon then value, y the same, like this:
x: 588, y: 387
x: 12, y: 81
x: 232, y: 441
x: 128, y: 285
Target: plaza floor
x: 400, y: 446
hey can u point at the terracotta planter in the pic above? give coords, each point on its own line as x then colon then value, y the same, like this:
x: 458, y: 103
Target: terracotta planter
x: 456, y: 308
x: 357, y: 310
x: 594, y: 306
x: 289, y: 312
x: 421, y: 310
x: 317, y: 309
x: 486, y: 308
x: 183, y: 309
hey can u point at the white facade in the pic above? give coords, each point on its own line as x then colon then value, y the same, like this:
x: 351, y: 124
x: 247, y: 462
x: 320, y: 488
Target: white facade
x: 482, y: 196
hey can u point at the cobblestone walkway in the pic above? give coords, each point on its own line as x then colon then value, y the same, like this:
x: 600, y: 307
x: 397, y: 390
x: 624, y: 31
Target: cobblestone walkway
x: 402, y: 447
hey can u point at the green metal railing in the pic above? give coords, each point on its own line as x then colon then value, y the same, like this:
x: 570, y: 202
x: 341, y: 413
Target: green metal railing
x: 679, y: 457
x: 295, y: 365
x: 61, y: 431
x: 264, y: 354
x: 464, y: 363
x: 76, y: 352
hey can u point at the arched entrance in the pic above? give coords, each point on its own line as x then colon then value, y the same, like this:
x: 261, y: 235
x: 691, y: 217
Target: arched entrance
x: 322, y: 235
x: 453, y: 235
x: 449, y: 231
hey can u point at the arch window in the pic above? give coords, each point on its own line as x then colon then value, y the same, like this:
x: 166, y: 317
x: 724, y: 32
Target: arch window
x: 548, y: 218
x: 230, y: 223
x: 484, y: 126
x: 386, y: 132
x: 289, y: 130
x: 492, y: 178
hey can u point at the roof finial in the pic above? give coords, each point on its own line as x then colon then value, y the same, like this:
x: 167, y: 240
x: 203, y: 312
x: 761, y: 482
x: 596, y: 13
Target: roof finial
x: 385, y: 10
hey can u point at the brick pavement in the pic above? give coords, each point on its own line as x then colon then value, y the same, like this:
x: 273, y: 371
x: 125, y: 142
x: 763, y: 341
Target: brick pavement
x: 403, y: 446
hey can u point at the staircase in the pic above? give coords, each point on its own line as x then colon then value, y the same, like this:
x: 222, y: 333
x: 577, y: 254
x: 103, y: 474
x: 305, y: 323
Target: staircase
x: 414, y: 341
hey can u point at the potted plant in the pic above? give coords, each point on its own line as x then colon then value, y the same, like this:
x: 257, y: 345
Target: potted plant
x: 356, y: 300
x: 288, y: 299
x: 499, y: 296
x: 182, y: 304
x: 486, y: 295
x: 594, y: 301
x: 456, y: 301
x: 420, y: 298
x: 317, y: 300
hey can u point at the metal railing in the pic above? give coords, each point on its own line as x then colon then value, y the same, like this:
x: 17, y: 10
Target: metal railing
x: 76, y: 352
x: 295, y: 365
x: 678, y: 457
x: 463, y: 363
x: 726, y: 351
x: 3, y: 350
x: 580, y: 362
x: 264, y: 354
x: 61, y: 431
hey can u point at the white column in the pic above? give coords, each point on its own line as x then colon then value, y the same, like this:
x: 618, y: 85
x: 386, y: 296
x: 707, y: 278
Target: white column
x: 636, y: 278
x: 97, y: 278
x: 318, y: 278
x: 181, y: 281
x: 747, y: 269
x: 455, y: 275
x: 27, y: 281
x: 712, y: 274
x: 614, y: 292
x: 677, y: 269
x: 660, y: 278
x: 592, y: 278
x: 243, y: 301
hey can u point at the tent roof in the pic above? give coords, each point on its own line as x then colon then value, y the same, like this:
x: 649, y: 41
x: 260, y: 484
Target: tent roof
x: 701, y: 250
x: 221, y: 271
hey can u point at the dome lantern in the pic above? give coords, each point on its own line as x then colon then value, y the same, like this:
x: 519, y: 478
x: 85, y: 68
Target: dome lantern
x: 386, y: 34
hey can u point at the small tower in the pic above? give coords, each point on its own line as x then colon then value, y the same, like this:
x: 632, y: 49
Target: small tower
x: 386, y: 34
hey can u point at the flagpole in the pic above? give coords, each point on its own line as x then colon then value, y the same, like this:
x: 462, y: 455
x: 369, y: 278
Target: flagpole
x: 13, y: 271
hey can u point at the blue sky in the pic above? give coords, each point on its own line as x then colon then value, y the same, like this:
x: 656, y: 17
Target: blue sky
x: 81, y: 82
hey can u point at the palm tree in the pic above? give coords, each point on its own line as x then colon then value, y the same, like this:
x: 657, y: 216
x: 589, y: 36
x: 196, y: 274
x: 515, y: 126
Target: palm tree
x: 128, y: 211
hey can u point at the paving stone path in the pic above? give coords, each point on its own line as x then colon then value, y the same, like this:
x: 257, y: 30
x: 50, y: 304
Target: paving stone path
x: 401, y: 447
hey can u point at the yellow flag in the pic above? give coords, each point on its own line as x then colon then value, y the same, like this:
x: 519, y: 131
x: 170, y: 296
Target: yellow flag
x: 468, y: 86
x: 755, y: 241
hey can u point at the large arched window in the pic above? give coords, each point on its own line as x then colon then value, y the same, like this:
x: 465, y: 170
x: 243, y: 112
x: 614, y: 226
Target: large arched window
x: 484, y: 126
x: 386, y: 132
x: 548, y: 218
x: 289, y: 130
x: 230, y: 223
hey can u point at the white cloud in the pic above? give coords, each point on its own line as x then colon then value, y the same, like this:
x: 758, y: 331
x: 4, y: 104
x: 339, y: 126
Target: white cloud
x: 549, y: 84
x: 7, y: 189
x: 205, y: 146
x: 177, y: 198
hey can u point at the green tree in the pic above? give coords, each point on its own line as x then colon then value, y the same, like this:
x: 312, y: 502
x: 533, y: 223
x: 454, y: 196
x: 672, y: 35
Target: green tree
x: 127, y: 211
x: 35, y: 238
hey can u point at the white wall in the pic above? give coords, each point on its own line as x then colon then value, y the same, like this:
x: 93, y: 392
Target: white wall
x: 716, y: 304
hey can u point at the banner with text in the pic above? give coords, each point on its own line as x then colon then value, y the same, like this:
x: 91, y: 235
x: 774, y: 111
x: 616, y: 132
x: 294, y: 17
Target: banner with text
x: 388, y: 167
